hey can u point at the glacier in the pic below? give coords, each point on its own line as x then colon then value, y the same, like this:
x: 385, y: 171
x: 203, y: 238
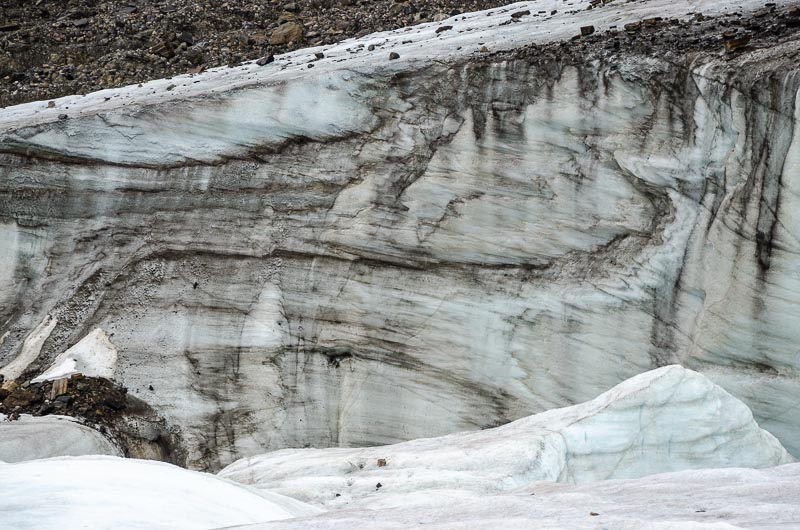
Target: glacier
x: 669, y: 419
x: 500, y: 222
x: 596, y: 465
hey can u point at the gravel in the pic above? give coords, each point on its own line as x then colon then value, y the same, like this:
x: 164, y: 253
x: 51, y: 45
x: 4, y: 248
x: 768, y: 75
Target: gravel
x: 53, y: 48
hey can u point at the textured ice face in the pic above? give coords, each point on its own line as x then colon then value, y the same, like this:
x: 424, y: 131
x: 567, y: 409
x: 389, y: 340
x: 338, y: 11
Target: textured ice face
x: 372, y: 251
x: 665, y: 420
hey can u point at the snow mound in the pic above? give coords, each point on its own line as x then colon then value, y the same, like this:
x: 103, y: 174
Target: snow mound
x: 668, y: 419
x: 94, y: 355
x: 31, y: 438
x: 715, y: 499
x: 104, y: 492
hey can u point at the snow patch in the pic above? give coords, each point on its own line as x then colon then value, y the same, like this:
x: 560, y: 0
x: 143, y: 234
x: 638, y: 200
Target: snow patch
x: 94, y: 356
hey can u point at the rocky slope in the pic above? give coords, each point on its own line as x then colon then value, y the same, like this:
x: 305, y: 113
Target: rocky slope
x: 423, y: 231
x: 52, y: 48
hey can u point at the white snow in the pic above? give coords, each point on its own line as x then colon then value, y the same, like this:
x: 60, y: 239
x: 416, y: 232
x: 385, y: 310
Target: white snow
x: 715, y: 499
x: 94, y: 355
x: 31, y: 438
x: 667, y: 419
x: 103, y: 492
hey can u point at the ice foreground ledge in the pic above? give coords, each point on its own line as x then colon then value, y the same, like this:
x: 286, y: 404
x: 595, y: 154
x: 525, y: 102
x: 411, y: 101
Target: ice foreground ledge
x: 370, y: 251
x: 668, y: 419
x: 101, y: 493
x: 30, y: 438
x: 714, y: 499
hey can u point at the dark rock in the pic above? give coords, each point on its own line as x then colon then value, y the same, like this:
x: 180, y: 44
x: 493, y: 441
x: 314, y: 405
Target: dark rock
x: 319, y: 55
x: 371, y: 48
x: 62, y: 116
x: 21, y: 398
x: 587, y: 30
x: 440, y: 29
x: 520, y: 14
x: 735, y: 44
x: 261, y: 62
x: 114, y: 402
x: 393, y: 56
x: 186, y: 37
x: 287, y: 33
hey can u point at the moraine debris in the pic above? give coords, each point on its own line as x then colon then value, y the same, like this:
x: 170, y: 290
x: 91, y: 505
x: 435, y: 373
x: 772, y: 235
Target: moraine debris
x: 266, y: 60
x: 735, y: 44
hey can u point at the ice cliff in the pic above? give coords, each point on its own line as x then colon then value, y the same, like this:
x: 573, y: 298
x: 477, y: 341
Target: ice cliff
x: 360, y: 250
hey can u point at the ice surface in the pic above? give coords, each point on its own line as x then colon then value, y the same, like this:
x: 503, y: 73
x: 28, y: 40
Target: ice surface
x: 103, y: 492
x: 31, y: 438
x: 716, y: 499
x: 667, y: 419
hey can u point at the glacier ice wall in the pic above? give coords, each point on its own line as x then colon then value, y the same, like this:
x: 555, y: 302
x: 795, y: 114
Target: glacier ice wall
x: 371, y: 251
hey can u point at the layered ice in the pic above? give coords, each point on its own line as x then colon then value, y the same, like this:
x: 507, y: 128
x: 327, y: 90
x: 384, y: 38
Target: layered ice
x: 664, y: 420
x: 371, y: 251
x: 100, y: 493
